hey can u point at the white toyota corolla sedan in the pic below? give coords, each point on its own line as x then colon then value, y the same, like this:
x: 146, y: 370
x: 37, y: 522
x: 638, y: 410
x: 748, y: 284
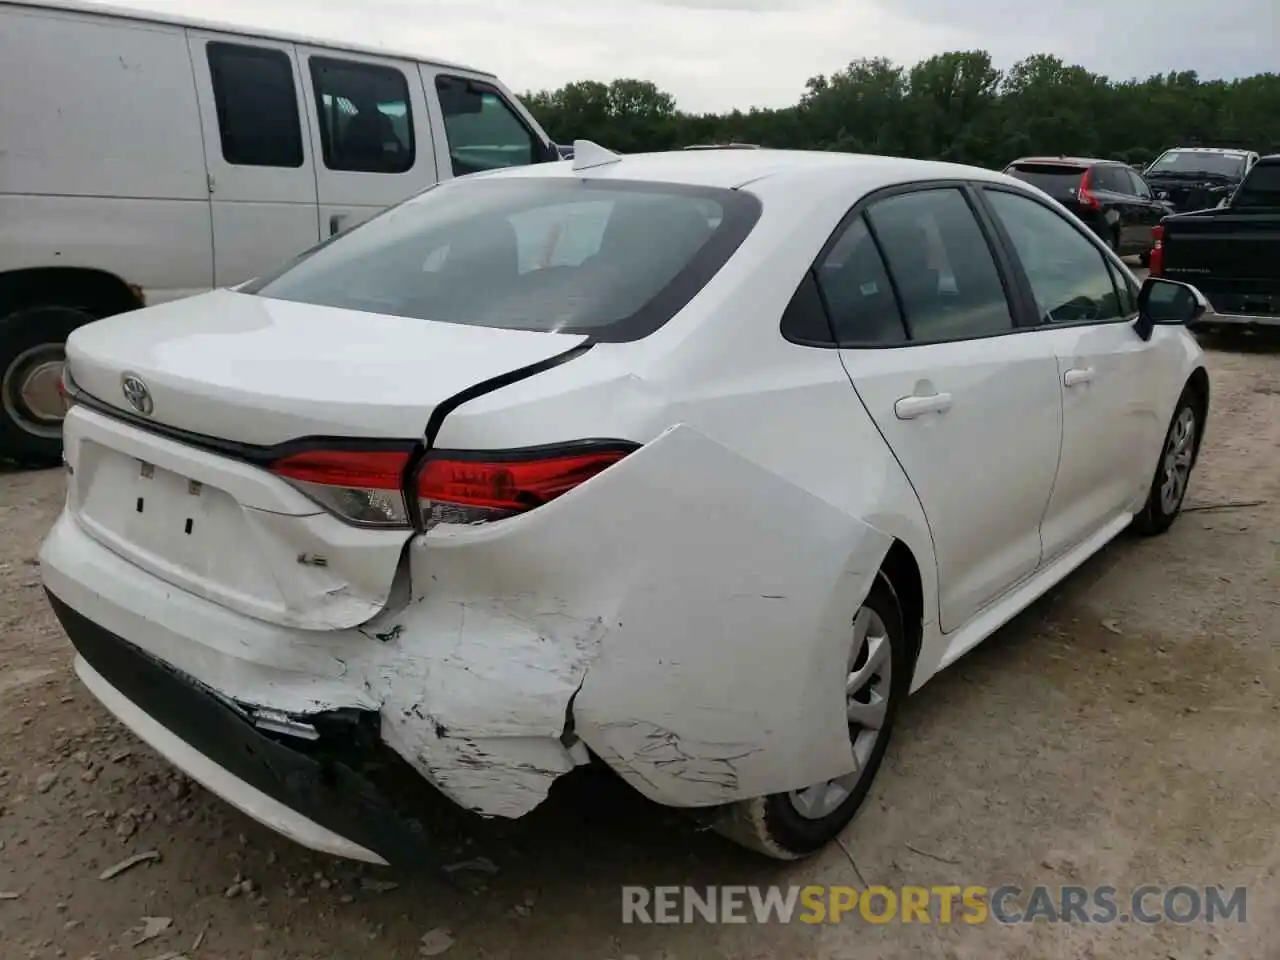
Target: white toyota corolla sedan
x: 692, y: 464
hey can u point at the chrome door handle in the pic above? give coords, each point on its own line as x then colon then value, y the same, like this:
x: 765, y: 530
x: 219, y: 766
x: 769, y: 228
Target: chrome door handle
x: 1077, y: 375
x: 908, y: 408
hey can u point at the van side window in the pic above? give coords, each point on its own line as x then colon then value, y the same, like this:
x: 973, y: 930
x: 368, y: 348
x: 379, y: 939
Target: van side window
x: 364, y: 115
x: 482, y: 129
x: 257, y: 105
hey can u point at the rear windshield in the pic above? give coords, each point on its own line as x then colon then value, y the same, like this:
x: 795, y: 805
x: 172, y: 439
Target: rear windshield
x: 1054, y: 179
x: 1198, y: 163
x: 1261, y: 188
x: 612, y: 259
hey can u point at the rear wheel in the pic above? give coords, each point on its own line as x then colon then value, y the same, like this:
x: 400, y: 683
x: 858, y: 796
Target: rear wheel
x: 787, y: 826
x: 1173, y: 473
x: 32, y: 350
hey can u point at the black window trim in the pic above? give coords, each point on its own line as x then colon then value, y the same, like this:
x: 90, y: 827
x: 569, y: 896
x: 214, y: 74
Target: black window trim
x: 1019, y: 272
x: 534, y: 138
x: 213, y: 49
x: 326, y: 140
x: 1020, y: 302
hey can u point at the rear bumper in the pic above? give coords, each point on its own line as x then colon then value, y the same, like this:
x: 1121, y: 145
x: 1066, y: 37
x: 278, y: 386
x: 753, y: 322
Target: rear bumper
x: 313, y: 796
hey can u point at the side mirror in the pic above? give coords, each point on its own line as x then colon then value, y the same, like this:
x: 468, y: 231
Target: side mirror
x: 1168, y: 302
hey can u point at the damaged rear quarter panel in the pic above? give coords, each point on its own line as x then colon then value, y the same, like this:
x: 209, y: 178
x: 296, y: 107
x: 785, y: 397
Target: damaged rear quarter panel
x: 693, y: 607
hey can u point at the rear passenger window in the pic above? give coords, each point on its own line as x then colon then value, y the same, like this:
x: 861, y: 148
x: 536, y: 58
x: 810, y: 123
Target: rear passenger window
x: 1111, y: 178
x: 257, y: 105
x: 366, y: 124
x: 482, y: 129
x: 857, y: 291
x: 1069, y: 276
x: 941, y: 265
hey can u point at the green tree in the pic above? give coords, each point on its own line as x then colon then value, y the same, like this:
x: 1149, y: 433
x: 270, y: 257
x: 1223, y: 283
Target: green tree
x: 954, y: 106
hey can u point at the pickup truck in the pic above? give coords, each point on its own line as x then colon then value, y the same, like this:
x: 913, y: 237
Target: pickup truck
x: 1230, y: 252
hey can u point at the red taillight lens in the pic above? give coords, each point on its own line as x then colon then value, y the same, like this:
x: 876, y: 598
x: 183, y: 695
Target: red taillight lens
x: 474, y: 487
x: 1084, y: 194
x: 360, y: 486
x: 364, y: 487
x: 1155, y: 260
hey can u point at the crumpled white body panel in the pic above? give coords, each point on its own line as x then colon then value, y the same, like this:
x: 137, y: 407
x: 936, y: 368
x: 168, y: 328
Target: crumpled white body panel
x: 692, y: 631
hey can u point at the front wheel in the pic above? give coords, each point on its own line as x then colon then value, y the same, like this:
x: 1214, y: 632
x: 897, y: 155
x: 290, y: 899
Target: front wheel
x: 32, y: 351
x: 1173, y: 473
x: 787, y: 826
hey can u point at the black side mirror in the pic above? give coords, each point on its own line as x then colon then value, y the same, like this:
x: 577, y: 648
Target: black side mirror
x: 1162, y: 302
x: 550, y: 153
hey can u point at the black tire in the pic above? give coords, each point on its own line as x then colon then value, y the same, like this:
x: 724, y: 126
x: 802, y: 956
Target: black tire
x: 1145, y: 258
x: 771, y: 825
x: 1159, y: 512
x: 29, y: 337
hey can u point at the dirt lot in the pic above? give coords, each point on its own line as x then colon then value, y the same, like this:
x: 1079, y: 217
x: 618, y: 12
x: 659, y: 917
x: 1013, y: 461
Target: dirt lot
x: 1126, y: 730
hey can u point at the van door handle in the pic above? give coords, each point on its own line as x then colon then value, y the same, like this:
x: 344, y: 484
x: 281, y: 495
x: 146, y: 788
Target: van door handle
x: 335, y: 223
x: 908, y: 408
x: 1077, y: 375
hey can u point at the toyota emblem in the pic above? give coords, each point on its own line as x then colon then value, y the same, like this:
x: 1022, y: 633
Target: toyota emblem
x: 136, y: 392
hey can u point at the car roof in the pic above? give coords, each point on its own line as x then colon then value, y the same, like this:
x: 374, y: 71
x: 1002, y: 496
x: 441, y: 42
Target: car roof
x: 845, y: 173
x: 1065, y: 161
x: 1229, y: 151
x: 151, y: 14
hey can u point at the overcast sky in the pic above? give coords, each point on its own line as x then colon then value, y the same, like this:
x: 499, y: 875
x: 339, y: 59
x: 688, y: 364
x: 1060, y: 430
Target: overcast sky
x: 719, y: 54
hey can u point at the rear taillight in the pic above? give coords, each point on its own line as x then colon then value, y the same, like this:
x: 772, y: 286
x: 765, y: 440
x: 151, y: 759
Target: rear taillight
x: 1155, y: 260
x: 1084, y: 194
x: 366, y: 487
x: 479, y: 486
x: 363, y: 487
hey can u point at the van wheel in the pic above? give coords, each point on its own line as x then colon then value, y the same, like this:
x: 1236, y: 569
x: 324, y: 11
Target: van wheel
x: 32, y: 350
x: 787, y: 826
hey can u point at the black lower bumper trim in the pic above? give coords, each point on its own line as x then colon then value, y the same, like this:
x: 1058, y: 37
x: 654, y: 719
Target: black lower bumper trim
x: 318, y: 781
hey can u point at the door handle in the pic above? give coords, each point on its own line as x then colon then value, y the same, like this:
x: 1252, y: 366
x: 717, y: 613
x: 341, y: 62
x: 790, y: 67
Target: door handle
x: 335, y: 223
x: 908, y: 408
x: 1077, y: 375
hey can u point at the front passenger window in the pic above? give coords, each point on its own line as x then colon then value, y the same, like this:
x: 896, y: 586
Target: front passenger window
x: 483, y: 131
x: 1068, y: 274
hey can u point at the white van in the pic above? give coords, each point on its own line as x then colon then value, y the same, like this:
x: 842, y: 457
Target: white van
x: 145, y: 157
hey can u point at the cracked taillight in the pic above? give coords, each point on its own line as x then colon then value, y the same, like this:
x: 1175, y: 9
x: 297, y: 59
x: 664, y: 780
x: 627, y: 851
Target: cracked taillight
x: 454, y: 486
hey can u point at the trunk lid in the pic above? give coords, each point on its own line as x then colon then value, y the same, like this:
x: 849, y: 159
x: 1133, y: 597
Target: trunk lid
x: 240, y: 368
x: 258, y: 371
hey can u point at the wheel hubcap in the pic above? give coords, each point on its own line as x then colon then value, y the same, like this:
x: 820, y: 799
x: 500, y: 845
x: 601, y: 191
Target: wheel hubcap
x: 1177, y: 461
x: 29, y: 390
x: 867, y: 690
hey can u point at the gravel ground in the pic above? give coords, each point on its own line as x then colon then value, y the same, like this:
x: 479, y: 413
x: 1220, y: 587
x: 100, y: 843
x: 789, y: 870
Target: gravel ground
x: 1122, y: 731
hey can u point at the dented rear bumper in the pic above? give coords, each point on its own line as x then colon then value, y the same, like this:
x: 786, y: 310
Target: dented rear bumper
x: 656, y: 617
x: 320, y: 786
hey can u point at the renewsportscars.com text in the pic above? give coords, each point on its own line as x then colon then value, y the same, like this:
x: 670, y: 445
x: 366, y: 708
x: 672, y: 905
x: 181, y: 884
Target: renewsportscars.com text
x: 1007, y: 904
